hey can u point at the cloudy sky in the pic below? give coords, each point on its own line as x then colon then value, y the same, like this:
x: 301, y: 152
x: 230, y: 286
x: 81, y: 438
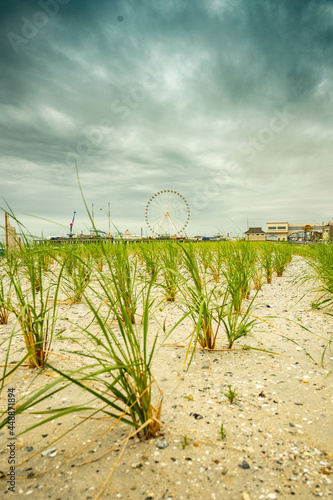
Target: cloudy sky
x: 228, y: 102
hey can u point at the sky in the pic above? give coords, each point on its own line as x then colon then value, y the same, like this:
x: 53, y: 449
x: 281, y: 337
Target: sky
x: 228, y: 102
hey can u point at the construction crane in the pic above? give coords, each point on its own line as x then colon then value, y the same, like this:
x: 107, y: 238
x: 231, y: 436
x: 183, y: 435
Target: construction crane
x: 71, y: 226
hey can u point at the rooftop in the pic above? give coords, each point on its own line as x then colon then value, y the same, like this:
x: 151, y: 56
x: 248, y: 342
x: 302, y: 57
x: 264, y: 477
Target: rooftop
x: 254, y: 230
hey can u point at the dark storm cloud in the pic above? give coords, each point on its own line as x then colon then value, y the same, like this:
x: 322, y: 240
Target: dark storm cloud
x: 224, y: 100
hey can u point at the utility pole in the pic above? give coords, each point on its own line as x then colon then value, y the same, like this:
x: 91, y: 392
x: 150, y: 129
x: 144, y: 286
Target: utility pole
x: 109, y: 214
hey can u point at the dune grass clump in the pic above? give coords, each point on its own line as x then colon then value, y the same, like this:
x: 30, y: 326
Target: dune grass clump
x: 198, y: 298
x: 169, y: 261
x: 204, y: 256
x: 238, y: 273
x: 123, y: 271
x: 323, y: 267
x: 46, y: 259
x: 150, y: 255
x: 281, y: 259
x: 238, y: 324
x: 258, y: 277
x: 267, y: 262
x: 77, y: 275
x: 214, y: 259
x: 32, y: 304
x: 127, y: 358
x: 98, y: 257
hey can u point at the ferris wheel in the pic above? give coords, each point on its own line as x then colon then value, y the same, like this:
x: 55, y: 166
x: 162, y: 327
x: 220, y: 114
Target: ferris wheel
x: 167, y: 213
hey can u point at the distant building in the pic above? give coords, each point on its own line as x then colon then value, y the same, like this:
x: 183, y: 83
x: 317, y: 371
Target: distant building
x: 328, y: 232
x: 255, y: 234
x: 277, y: 231
x: 283, y: 231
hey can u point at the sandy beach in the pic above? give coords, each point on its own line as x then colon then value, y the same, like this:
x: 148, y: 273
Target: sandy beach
x: 278, y: 433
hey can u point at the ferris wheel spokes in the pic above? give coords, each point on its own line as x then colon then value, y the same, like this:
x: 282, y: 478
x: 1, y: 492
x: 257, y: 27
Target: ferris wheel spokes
x: 175, y: 227
x: 167, y: 211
